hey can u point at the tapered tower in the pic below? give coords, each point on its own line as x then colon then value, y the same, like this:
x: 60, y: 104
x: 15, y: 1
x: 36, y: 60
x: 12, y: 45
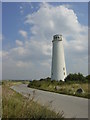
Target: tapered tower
x: 58, y: 71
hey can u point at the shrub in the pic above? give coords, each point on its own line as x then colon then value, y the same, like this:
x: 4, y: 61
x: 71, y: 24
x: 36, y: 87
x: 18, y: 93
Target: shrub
x: 54, y: 82
x: 34, y: 83
x: 88, y: 78
x: 75, y: 78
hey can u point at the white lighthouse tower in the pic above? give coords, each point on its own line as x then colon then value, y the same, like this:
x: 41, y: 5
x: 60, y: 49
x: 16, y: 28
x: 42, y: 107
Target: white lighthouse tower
x: 58, y: 71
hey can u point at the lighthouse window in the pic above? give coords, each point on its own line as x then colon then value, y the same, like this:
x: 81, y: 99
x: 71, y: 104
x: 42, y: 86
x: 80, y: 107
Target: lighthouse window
x: 55, y: 37
x: 63, y: 68
x: 64, y: 73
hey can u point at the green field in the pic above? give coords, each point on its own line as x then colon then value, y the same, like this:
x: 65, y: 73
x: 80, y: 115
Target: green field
x: 14, y: 105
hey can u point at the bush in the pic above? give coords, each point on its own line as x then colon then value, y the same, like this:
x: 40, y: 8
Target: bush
x: 54, y: 82
x: 88, y: 78
x: 75, y: 78
x: 34, y: 83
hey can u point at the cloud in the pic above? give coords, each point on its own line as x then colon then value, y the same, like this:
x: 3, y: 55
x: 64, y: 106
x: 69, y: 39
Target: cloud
x: 34, y: 54
x: 56, y: 19
x: 5, y: 54
x: 23, y: 33
x: 67, y: 6
x: 26, y: 5
x: 21, y: 9
x: 18, y: 50
x: 0, y: 54
x: 50, y: 20
x: 0, y: 37
x: 23, y: 64
x: 19, y: 43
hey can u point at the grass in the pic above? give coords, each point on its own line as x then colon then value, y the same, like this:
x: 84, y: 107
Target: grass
x: 17, y: 106
x: 68, y: 88
x: 0, y: 99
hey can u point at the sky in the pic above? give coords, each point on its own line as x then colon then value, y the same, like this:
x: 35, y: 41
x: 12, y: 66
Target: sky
x: 27, y: 32
x: 0, y: 41
x: 45, y: 0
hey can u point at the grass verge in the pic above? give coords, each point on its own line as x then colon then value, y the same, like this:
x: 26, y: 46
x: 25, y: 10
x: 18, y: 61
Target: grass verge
x: 68, y: 88
x: 0, y: 100
x: 14, y: 105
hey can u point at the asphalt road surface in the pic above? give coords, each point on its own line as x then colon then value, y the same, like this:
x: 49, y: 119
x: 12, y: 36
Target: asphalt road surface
x: 73, y: 107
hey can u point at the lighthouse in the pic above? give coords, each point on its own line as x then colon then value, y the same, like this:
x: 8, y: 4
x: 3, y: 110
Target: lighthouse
x: 58, y: 69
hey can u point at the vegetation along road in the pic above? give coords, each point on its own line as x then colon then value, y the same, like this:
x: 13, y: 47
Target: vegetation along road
x: 0, y: 99
x: 71, y: 106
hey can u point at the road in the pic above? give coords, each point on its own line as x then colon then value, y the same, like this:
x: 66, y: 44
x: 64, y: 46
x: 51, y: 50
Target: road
x: 70, y: 105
